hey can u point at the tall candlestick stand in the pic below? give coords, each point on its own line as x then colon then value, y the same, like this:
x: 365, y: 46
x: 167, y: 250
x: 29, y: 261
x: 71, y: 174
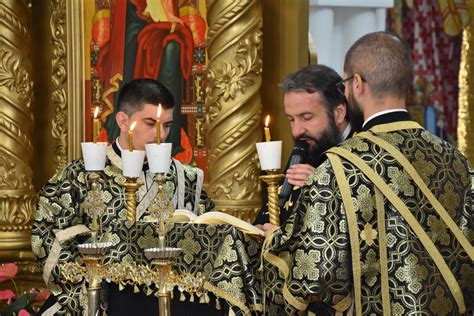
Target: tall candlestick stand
x: 93, y: 252
x: 163, y: 260
x: 272, y: 179
x: 131, y: 187
x: 92, y: 256
x: 163, y: 257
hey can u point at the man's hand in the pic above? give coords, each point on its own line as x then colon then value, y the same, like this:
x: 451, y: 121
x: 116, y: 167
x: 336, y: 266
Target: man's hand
x: 298, y: 174
x: 269, y: 228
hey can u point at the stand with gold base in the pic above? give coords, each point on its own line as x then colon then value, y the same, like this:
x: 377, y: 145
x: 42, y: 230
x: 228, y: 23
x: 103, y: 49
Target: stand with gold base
x: 163, y: 257
x: 131, y: 187
x: 272, y: 179
x: 163, y: 260
x: 92, y: 255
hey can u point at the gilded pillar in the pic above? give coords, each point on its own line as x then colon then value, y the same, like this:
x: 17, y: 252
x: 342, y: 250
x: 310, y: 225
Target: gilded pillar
x: 17, y: 194
x: 234, y: 110
x: 466, y: 97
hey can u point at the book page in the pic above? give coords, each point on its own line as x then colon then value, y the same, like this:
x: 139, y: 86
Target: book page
x: 215, y: 217
x: 183, y: 216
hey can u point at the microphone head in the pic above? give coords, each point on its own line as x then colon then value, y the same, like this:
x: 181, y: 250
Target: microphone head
x: 301, y: 148
x: 298, y: 155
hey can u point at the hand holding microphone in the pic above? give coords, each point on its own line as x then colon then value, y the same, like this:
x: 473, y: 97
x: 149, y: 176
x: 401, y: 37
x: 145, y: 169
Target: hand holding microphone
x: 299, y: 173
x: 298, y: 155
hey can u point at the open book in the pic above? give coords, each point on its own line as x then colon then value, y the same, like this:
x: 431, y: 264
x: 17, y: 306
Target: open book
x: 185, y: 216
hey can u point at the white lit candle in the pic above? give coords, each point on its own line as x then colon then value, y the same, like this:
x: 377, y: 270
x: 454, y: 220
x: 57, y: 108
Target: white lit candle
x: 269, y: 154
x: 130, y: 136
x: 267, y: 129
x: 95, y: 125
x: 158, y: 125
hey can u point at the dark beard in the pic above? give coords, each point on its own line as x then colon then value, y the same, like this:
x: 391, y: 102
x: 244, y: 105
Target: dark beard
x: 330, y: 138
x: 355, y: 114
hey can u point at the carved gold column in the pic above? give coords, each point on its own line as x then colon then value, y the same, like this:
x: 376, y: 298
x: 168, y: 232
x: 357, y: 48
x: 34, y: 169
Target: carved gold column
x: 17, y: 195
x: 466, y: 97
x: 233, y: 105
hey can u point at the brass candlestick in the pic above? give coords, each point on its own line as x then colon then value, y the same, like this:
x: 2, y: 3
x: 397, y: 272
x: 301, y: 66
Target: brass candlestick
x: 163, y: 260
x: 272, y: 179
x: 163, y: 257
x: 93, y: 252
x: 92, y: 255
x: 94, y: 206
x: 131, y: 187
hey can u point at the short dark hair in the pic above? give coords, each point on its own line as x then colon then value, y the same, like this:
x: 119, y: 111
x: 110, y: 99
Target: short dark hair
x: 316, y: 78
x: 384, y: 61
x: 138, y: 92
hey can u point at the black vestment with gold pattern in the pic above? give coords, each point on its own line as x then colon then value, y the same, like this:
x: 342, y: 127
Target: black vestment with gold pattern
x: 60, y: 224
x: 334, y: 252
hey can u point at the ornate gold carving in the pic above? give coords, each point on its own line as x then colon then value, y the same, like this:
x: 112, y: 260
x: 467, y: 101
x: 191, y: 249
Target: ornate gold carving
x: 59, y: 80
x: 466, y: 98
x: 19, y: 213
x: 17, y: 196
x: 8, y: 16
x: 28, y: 268
x: 28, y: 276
x: 199, y: 132
x: 233, y: 104
x: 15, y: 77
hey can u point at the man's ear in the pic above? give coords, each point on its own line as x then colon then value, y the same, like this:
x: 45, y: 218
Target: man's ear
x: 122, y: 120
x: 357, y: 85
x: 340, y: 112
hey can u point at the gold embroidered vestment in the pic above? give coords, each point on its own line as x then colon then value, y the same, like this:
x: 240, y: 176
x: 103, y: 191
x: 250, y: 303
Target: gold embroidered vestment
x: 383, y: 227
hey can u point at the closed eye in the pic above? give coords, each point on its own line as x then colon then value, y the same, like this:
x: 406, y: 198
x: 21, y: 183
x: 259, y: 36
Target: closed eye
x: 149, y: 122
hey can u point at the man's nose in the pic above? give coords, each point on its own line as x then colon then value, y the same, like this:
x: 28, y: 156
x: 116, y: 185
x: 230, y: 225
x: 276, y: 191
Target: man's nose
x: 297, y: 130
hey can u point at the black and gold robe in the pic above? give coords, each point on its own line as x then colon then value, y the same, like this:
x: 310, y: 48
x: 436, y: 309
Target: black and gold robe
x: 383, y: 227
x: 60, y: 224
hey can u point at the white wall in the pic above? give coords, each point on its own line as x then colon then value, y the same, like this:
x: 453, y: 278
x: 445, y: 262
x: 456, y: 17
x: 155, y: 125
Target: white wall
x: 335, y: 25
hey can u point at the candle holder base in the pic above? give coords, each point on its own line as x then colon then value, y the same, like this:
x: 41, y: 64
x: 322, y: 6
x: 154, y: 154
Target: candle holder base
x: 165, y: 253
x: 164, y: 259
x: 92, y: 255
x: 272, y: 179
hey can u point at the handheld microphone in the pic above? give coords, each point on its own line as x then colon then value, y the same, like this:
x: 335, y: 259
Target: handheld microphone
x: 299, y: 154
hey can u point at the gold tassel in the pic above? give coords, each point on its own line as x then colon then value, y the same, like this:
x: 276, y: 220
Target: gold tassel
x: 149, y: 291
x: 121, y: 286
x: 218, y: 304
x: 191, y: 299
x: 202, y: 299
x: 206, y: 298
x: 136, y: 289
x: 182, y: 298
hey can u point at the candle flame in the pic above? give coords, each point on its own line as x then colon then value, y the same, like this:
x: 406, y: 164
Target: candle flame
x: 96, y: 112
x: 133, y: 125
x: 267, y: 120
x: 158, y: 115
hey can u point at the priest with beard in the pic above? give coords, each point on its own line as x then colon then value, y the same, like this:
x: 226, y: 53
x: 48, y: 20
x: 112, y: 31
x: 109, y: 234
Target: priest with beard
x: 384, y: 226
x: 319, y: 118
